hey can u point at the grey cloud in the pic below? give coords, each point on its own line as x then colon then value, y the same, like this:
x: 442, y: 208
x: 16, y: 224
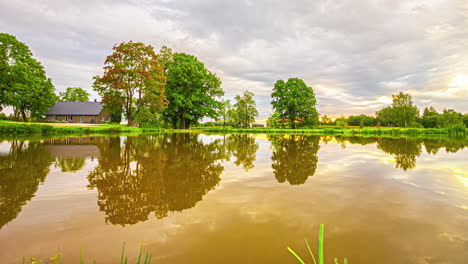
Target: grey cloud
x: 356, y: 51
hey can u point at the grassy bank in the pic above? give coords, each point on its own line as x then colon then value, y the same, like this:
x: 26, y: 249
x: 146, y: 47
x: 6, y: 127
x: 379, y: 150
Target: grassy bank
x: 19, y: 128
x: 347, y: 131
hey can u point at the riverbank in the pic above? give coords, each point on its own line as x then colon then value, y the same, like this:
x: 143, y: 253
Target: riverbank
x: 21, y: 128
x: 346, y: 131
x: 15, y: 128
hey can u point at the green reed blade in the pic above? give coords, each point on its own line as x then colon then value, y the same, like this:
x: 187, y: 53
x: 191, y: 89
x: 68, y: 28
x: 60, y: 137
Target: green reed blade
x: 345, y: 261
x: 149, y: 260
x: 320, y: 246
x: 139, y: 255
x: 123, y: 252
x: 81, y: 256
x: 295, y: 255
x: 310, y: 250
x: 336, y: 261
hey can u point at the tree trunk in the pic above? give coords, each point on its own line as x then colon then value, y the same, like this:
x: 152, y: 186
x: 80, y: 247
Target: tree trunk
x: 25, y: 117
x: 182, y: 122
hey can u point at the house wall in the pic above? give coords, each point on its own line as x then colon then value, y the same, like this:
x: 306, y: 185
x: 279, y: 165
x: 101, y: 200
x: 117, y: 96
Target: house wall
x: 93, y: 119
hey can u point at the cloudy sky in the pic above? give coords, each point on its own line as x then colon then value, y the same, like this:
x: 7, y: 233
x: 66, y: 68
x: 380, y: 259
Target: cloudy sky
x: 353, y: 53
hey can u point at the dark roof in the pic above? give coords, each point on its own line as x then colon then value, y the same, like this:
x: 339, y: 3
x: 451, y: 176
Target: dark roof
x: 75, y: 108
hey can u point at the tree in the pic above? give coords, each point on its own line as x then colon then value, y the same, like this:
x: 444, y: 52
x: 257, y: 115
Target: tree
x: 23, y: 81
x: 245, y: 110
x: 192, y: 91
x: 405, y: 111
x: 341, y: 122
x: 465, y: 120
x: 402, y: 112
x: 133, y: 76
x: 451, y: 117
x: 362, y: 120
x: 295, y: 101
x: 430, y: 118
x: 224, y: 111
x: 74, y: 94
x: 326, y: 120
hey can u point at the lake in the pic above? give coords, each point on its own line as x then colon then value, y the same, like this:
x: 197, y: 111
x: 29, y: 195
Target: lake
x: 195, y: 198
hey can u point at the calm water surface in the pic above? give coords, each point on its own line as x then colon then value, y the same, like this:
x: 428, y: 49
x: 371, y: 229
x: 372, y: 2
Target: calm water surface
x: 192, y: 198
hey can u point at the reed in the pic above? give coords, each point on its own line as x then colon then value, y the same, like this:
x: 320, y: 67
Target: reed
x: 123, y: 259
x: 321, y: 257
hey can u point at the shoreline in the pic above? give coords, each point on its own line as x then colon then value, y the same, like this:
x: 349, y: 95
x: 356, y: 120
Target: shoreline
x: 8, y: 128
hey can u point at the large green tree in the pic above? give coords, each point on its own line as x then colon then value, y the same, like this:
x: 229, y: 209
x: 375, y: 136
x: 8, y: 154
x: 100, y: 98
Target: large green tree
x: 133, y: 76
x: 23, y: 81
x: 295, y: 101
x: 192, y: 91
x: 244, y: 110
x: 74, y: 94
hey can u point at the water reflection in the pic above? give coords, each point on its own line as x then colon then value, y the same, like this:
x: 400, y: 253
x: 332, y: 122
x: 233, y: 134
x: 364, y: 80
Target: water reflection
x: 159, y: 174
x: 243, y: 147
x: 21, y: 171
x: 294, y: 157
x: 406, y: 150
x: 137, y: 176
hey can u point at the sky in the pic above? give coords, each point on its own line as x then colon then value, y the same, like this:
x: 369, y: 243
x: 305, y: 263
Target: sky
x: 354, y: 54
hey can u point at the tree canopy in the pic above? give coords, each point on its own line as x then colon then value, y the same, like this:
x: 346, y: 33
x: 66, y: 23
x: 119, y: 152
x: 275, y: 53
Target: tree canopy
x: 295, y: 101
x: 74, y: 94
x: 401, y: 113
x: 244, y: 111
x: 192, y: 91
x: 133, y: 77
x: 23, y: 81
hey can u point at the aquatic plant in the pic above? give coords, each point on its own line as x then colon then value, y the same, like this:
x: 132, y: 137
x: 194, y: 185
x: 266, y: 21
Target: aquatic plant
x: 123, y: 259
x: 321, y: 259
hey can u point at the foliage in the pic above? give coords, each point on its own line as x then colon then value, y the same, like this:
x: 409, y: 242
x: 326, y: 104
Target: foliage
x: 401, y: 113
x: 244, y: 111
x: 341, y: 122
x: 275, y: 121
x: 225, y: 112
x: 362, y: 121
x: 23, y: 81
x: 133, y: 77
x: 74, y: 94
x: 295, y: 101
x: 192, y: 91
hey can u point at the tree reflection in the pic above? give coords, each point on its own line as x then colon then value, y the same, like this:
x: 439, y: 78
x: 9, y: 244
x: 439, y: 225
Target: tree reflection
x: 160, y: 174
x: 243, y: 148
x: 405, y: 151
x: 70, y: 164
x: 21, y: 171
x: 294, y: 157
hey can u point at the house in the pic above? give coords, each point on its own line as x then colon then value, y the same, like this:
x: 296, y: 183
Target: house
x: 78, y: 112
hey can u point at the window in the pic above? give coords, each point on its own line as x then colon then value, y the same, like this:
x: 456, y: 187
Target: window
x: 68, y: 118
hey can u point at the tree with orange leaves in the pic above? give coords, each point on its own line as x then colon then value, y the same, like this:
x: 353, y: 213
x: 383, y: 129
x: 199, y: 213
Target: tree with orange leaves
x: 133, y: 76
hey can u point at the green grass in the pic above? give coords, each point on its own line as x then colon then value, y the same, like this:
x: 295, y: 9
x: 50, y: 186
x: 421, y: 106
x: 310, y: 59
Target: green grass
x: 123, y: 259
x: 321, y: 257
x: 346, y: 131
x: 12, y: 128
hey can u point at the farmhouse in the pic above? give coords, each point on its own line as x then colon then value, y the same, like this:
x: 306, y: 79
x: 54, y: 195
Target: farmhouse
x: 78, y: 112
